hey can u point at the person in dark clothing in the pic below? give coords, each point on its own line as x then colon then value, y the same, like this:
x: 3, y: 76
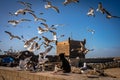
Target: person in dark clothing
x: 65, y: 64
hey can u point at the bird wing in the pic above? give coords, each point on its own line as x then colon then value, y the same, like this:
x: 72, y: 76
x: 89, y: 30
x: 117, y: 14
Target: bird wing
x: 32, y: 39
x: 46, y: 26
x: 26, y: 4
x: 17, y: 37
x: 33, y: 15
x: 9, y: 33
x: 55, y: 8
x: 105, y: 11
x: 25, y: 20
x: 116, y: 16
x: 48, y: 50
x: 41, y: 19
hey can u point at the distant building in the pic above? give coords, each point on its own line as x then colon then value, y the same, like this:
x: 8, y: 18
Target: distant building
x: 69, y: 48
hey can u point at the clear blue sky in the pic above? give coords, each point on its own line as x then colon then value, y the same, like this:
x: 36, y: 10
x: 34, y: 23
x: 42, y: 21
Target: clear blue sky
x: 105, y: 41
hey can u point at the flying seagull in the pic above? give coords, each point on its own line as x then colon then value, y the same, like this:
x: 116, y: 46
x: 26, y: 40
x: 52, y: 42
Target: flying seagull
x: 22, y: 11
x: 109, y: 16
x: 47, y: 41
x: 15, y: 22
x: 28, y: 42
x: 92, y: 31
x: 26, y: 4
x: 91, y: 12
x: 49, y: 5
x: 70, y: 1
x: 100, y: 8
x: 36, y: 18
x: 47, y: 28
x: 41, y: 30
x: 54, y: 35
x: 12, y: 36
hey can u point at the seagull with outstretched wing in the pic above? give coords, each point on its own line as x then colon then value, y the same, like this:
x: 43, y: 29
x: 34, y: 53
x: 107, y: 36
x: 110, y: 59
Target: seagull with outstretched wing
x: 15, y: 22
x: 109, y: 16
x: 12, y: 36
x: 41, y: 30
x: 36, y: 18
x: 26, y: 4
x: 54, y: 35
x: 70, y: 1
x: 92, y: 31
x: 47, y: 41
x: 100, y: 8
x: 91, y: 12
x: 22, y: 11
x: 47, y: 28
x: 49, y: 5
x: 27, y: 43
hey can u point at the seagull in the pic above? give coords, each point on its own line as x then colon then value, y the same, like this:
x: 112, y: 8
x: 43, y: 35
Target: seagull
x: 92, y: 31
x: 26, y: 4
x: 47, y: 28
x: 46, y: 51
x: 12, y: 36
x: 36, y: 18
x: 15, y: 22
x: 91, y: 12
x: 109, y: 16
x: 45, y: 44
x: 100, y: 7
x: 49, y: 5
x: 69, y: 1
x: 47, y: 41
x: 41, y: 30
x: 54, y: 35
x: 22, y: 11
x: 55, y: 38
x: 28, y: 42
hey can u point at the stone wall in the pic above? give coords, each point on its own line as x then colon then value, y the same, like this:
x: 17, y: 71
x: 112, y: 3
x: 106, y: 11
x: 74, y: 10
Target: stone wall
x: 105, y: 65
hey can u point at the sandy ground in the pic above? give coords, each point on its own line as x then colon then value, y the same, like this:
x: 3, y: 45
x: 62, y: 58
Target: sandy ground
x: 73, y: 76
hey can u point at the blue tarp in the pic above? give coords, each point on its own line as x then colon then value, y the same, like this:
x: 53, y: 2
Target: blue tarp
x: 7, y: 60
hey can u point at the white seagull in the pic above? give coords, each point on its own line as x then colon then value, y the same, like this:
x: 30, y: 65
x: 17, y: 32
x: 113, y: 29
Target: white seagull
x: 54, y: 35
x: 22, y: 11
x: 26, y: 4
x: 36, y: 18
x: 49, y: 5
x: 47, y: 28
x: 15, y: 22
x: 109, y: 16
x: 28, y: 42
x: 91, y: 12
x: 69, y: 1
x: 92, y: 31
x: 41, y: 30
x: 12, y: 36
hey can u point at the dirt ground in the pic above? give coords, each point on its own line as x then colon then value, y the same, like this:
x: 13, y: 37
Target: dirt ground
x: 72, y: 76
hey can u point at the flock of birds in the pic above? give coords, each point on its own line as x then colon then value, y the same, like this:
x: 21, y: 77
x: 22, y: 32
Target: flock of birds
x: 32, y: 44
